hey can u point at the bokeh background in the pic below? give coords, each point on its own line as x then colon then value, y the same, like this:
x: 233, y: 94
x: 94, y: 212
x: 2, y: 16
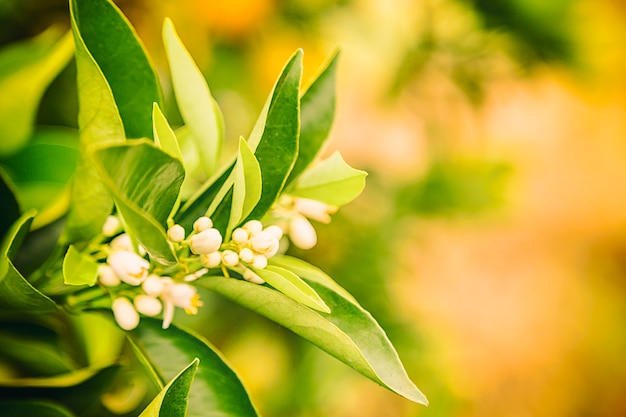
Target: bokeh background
x: 490, y: 241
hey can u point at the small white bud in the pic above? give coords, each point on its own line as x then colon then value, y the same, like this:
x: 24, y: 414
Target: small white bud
x: 275, y: 231
x: 176, y: 233
x: 153, y: 285
x: 264, y: 242
x: 246, y: 255
x: 250, y: 276
x: 302, y: 233
x: 230, y: 258
x: 125, y: 314
x: 206, y: 241
x: 195, y: 275
x: 111, y: 226
x: 122, y: 242
x: 107, y: 277
x: 202, y: 223
x: 129, y: 267
x: 253, y: 226
x: 240, y: 235
x: 147, y: 305
x: 259, y: 261
x: 211, y: 260
x: 314, y: 209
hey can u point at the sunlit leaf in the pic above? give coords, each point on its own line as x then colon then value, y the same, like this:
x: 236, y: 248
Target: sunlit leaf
x: 216, y: 389
x: 348, y: 333
x: 144, y: 182
x: 332, y: 181
x: 78, y: 268
x: 196, y: 105
x: 247, y: 185
x: 164, y: 136
x: 26, y: 70
x: 172, y: 400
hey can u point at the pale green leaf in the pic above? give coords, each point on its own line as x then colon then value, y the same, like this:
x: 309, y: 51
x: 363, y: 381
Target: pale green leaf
x: 164, y: 136
x: 79, y: 268
x: 172, y: 400
x: 247, y: 185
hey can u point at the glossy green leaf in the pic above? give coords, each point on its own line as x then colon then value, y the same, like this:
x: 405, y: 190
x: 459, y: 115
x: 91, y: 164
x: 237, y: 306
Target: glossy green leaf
x: 332, y: 181
x: 78, y: 268
x: 246, y: 187
x: 172, y: 400
x: 196, y: 105
x: 9, y: 209
x: 39, y: 408
x: 118, y: 53
x: 348, y: 333
x: 99, y: 122
x: 26, y: 70
x: 277, y: 148
x: 216, y: 390
x: 292, y: 286
x: 317, y: 113
x: 16, y: 293
x: 144, y: 182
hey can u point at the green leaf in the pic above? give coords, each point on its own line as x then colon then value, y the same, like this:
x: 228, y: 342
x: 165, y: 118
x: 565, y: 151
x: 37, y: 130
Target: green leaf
x: 332, y: 181
x: 78, y: 268
x: 277, y: 148
x: 196, y: 105
x: 118, y: 53
x: 9, y: 209
x: 164, y: 136
x: 39, y: 408
x: 247, y: 185
x: 16, y: 293
x: 216, y: 390
x: 317, y: 113
x: 348, y: 333
x: 292, y: 286
x: 26, y: 70
x: 172, y: 400
x: 144, y: 182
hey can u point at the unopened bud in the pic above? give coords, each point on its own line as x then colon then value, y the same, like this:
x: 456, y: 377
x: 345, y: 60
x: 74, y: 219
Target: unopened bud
x: 230, y: 258
x: 240, y: 235
x: 176, y: 233
x: 250, y: 276
x: 253, y: 226
x: 147, y: 305
x: 302, y: 233
x: 205, y: 242
x: 202, y: 223
x: 111, y: 226
x: 107, y: 277
x: 246, y: 255
x: 259, y: 261
x: 211, y: 260
x: 125, y: 314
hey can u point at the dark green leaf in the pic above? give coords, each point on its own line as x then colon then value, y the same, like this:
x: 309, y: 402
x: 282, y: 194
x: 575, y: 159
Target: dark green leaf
x: 33, y: 408
x: 172, y: 400
x: 116, y: 50
x: 78, y: 268
x: 144, y: 182
x: 9, y: 209
x: 216, y: 390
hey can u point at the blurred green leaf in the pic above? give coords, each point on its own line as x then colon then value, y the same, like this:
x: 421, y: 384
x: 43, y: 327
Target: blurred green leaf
x: 16, y: 293
x: 144, y: 182
x: 292, y: 286
x: 172, y: 400
x: 317, y: 113
x: 246, y: 187
x: 348, y: 333
x: 332, y: 181
x: 196, y: 105
x: 115, y: 49
x: 33, y: 408
x: 26, y: 70
x: 78, y: 268
x: 216, y: 389
x: 9, y: 209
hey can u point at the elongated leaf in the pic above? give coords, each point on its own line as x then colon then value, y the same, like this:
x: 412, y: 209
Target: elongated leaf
x: 164, y: 136
x: 216, y: 390
x: 78, y: 268
x: 145, y: 183
x: 196, y: 105
x: 17, y: 294
x: 9, y: 209
x: 21, y: 408
x: 292, y: 286
x: 247, y: 185
x: 99, y: 122
x: 332, y: 181
x: 172, y: 400
x: 317, y: 113
x: 348, y: 333
x: 118, y: 53
x: 26, y: 70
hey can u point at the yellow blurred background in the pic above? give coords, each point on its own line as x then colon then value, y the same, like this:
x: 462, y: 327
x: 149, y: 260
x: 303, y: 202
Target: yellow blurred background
x: 491, y: 239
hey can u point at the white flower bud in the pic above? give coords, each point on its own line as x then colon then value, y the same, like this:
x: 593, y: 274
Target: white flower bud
x: 107, y: 277
x: 153, y: 285
x: 253, y: 226
x: 314, y: 209
x: 302, y: 233
x: 206, y: 241
x: 264, y: 242
x: 240, y: 235
x: 230, y: 258
x: 246, y: 255
x: 196, y: 275
x: 275, y: 231
x: 176, y: 233
x: 111, y: 226
x: 129, y: 267
x: 211, y: 260
x: 125, y: 314
x: 259, y: 261
x: 147, y: 305
x: 124, y: 242
x: 202, y: 223
x: 250, y: 276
